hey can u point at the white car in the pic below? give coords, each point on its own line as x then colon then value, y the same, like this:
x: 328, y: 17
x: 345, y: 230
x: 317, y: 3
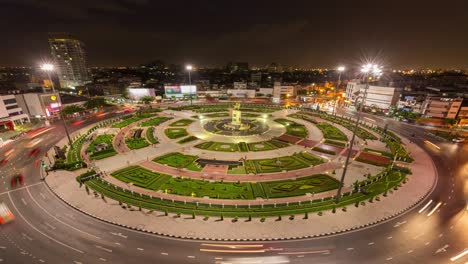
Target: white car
x: 458, y: 140
x: 5, y: 214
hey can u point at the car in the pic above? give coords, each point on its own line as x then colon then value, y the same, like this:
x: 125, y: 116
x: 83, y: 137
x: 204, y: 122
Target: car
x: 3, y: 162
x: 458, y: 140
x: 5, y: 214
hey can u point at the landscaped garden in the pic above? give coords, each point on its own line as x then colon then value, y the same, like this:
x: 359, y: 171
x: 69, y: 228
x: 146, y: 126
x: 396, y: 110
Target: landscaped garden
x: 176, y: 160
x: 101, y: 147
x: 182, y: 122
x: 242, y: 146
x: 174, y: 133
x: 293, y: 128
x: 381, y: 184
x: 286, y: 163
x: 331, y: 132
x: 187, y: 139
x: 218, y: 146
x: 135, y: 140
x: 155, y: 121
x: 150, y: 136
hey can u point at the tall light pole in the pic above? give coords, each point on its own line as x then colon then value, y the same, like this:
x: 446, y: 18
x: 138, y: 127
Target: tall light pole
x: 189, y: 68
x: 48, y: 68
x: 367, y: 70
x: 340, y: 69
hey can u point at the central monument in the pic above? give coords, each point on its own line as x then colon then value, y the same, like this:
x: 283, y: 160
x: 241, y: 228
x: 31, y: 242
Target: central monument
x: 236, y: 119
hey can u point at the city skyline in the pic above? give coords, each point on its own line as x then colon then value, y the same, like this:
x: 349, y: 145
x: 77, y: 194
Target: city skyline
x: 202, y: 33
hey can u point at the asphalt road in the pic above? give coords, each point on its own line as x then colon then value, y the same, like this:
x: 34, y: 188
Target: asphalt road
x: 48, y: 231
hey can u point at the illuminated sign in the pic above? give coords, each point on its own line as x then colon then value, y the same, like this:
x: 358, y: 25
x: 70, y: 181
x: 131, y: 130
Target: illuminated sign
x: 55, y: 105
x: 180, y: 90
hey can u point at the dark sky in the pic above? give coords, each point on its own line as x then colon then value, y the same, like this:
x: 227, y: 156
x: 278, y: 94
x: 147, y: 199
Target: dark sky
x: 402, y: 34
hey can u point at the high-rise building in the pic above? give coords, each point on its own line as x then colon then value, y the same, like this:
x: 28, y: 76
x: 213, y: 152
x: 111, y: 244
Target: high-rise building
x: 69, y: 57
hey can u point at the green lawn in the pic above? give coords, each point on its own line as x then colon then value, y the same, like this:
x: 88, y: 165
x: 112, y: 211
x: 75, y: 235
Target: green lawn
x: 331, y: 132
x: 136, y: 143
x: 150, y: 136
x: 155, y: 121
x: 187, y: 139
x: 174, y: 133
x: 97, y: 155
x: 176, y: 159
x: 287, y: 163
x: 213, y: 115
x: 182, y: 122
x: 218, y: 146
x: 127, y: 122
x: 293, y: 128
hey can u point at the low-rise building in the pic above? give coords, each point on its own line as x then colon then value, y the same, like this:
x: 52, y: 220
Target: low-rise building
x: 381, y: 97
x: 284, y: 91
x: 11, y: 113
x: 441, y: 107
x: 241, y: 93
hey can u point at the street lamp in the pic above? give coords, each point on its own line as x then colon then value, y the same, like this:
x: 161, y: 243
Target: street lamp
x: 48, y: 68
x: 367, y: 70
x: 340, y: 69
x: 189, y: 68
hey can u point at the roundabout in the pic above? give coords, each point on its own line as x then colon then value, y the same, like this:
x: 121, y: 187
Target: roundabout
x: 292, y: 173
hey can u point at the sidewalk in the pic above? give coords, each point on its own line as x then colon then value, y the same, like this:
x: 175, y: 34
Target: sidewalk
x: 420, y: 183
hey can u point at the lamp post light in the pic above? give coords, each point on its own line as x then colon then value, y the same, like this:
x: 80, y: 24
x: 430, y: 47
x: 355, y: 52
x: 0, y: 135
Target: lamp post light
x: 340, y: 70
x: 48, y: 68
x: 189, y: 69
x: 366, y: 70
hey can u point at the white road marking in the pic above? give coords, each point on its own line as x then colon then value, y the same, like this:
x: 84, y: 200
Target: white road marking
x: 410, y: 251
x: 371, y: 243
x: 2, y: 247
x: 191, y: 257
x: 140, y: 249
x: 41, y: 260
x: 42, y: 195
x: 103, y: 248
x: 47, y: 212
x: 51, y: 226
x: 25, y: 203
x: 26, y: 236
x: 164, y: 253
x: 77, y: 262
x: 349, y: 249
x: 389, y: 258
x: 102, y: 259
x: 399, y: 224
x: 118, y: 234
x: 39, y: 231
x: 20, y: 188
x: 390, y: 237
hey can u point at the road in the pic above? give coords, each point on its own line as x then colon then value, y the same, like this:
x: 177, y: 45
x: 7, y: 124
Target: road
x: 48, y: 231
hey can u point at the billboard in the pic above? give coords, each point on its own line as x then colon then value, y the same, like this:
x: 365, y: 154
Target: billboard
x: 137, y: 93
x: 180, y: 90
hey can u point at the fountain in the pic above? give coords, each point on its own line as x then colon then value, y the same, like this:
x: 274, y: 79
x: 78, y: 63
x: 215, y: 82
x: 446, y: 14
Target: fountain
x: 236, y: 126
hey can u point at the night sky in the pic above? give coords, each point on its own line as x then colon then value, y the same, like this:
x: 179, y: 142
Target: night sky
x: 401, y: 34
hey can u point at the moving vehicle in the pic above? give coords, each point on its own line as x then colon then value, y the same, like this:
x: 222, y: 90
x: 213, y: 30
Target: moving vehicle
x: 458, y: 140
x: 5, y: 214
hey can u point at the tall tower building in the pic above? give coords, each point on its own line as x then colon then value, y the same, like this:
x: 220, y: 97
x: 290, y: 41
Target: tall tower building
x: 69, y: 57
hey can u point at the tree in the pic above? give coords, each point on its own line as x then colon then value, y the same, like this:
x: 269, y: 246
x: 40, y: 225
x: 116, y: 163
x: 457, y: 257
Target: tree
x: 71, y: 109
x: 260, y: 95
x: 450, y: 121
x: 147, y: 99
x: 95, y: 103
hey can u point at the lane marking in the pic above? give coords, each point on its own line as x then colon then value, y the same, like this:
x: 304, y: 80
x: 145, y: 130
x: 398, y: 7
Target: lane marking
x: 410, y: 251
x: 39, y: 231
x: 371, y: 243
x: 42, y: 195
x: 390, y: 237
x: 164, y: 253
x: 325, y: 252
x: 232, y: 250
x: 192, y: 257
x: 51, y: 226
x: 47, y: 212
x: 103, y: 248
x: 118, y: 234
x: 233, y: 245
x: 349, y: 249
x: 25, y: 203
x: 434, y: 209
x: 140, y: 249
x: 102, y: 259
x: 20, y: 188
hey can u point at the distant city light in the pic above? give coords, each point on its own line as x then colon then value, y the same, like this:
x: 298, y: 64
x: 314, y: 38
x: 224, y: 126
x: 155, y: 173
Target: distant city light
x: 341, y: 68
x: 189, y: 67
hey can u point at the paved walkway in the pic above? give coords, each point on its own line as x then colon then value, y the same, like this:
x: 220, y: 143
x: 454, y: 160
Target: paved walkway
x: 420, y: 182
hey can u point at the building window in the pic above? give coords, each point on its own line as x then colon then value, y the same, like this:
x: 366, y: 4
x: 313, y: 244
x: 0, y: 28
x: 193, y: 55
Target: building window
x: 10, y: 101
x: 11, y: 107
